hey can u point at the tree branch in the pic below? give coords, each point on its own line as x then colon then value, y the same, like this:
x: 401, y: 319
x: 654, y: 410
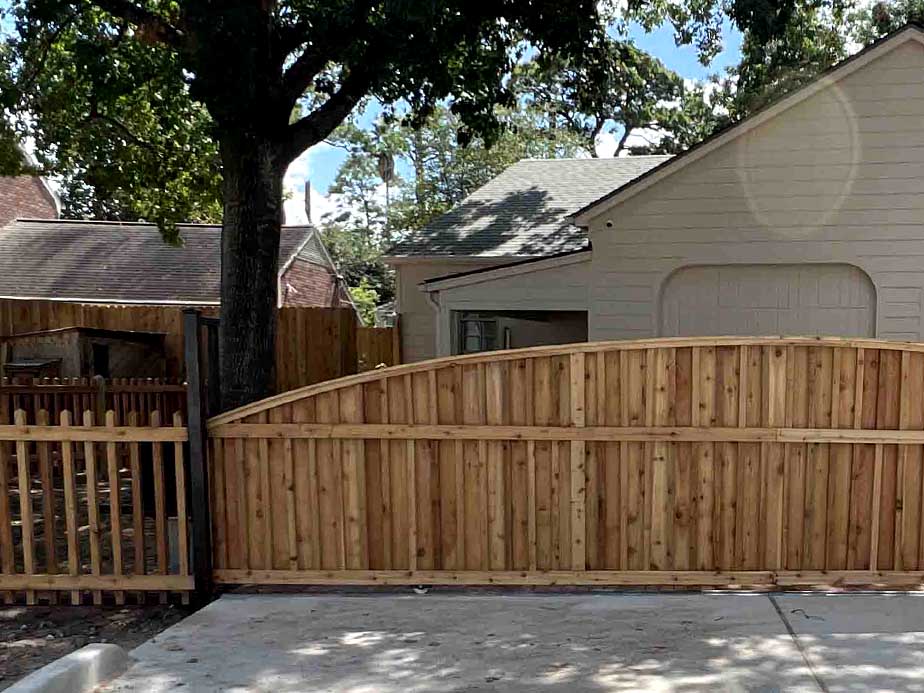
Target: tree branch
x: 314, y: 58
x: 318, y: 124
x: 152, y: 27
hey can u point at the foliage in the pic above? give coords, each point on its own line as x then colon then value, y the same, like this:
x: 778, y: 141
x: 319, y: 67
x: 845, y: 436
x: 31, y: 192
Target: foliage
x: 872, y: 21
x: 440, y: 173
x: 810, y: 42
x: 112, y: 118
x: 366, y: 299
x: 615, y: 88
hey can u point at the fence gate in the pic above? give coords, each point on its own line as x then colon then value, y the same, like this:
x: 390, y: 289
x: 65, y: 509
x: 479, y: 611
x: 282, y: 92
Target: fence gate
x: 662, y: 462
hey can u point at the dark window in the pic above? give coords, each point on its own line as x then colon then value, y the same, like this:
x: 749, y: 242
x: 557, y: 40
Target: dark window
x: 477, y: 333
x: 101, y: 360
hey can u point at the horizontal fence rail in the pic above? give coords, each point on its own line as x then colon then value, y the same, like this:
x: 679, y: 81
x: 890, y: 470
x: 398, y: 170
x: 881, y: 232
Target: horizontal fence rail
x: 93, y: 506
x: 722, y: 461
x: 76, y: 395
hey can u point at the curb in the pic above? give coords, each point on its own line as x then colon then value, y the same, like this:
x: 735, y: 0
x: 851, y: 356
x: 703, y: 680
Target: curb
x: 78, y: 672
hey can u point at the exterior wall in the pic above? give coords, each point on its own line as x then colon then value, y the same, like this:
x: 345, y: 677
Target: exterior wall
x: 838, y: 178
x: 418, y: 317
x: 560, y: 288
x: 309, y: 284
x: 24, y: 197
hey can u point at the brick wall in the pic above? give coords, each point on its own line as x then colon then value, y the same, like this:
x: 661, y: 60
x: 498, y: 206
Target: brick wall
x: 308, y: 284
x: 24, y: 197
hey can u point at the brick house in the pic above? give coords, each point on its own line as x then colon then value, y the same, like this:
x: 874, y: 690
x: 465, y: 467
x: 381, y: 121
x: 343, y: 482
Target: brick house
x: 27, y: 196
x: 128, y: 262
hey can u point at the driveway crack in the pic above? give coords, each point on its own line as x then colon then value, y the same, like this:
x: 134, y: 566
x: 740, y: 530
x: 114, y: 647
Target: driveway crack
x: 798, y: 643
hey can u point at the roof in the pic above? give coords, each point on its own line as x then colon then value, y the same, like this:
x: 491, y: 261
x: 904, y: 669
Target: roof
x: 523, y: 212
x: 504, y: 270
x: 46, y: 186
x: 121, y: 262
x: 619, y: 194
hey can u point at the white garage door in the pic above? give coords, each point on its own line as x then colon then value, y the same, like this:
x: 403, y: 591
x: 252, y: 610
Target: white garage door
x: 834, y: 300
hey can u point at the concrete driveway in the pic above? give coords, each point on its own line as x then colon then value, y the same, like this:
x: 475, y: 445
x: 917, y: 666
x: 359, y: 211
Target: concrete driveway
x: 539, y: 642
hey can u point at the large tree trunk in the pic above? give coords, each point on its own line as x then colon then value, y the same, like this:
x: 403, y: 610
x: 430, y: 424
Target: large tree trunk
x: 249, y: 266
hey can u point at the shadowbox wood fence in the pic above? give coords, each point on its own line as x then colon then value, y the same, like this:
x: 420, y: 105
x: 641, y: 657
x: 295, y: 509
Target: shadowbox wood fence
x: 93, y: 506
x: 730, y: 462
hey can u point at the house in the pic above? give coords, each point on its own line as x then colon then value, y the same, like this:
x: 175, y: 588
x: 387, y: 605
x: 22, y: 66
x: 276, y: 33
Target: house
x: 807, y: 218
x: 125, y: 262
x: 27, y: 196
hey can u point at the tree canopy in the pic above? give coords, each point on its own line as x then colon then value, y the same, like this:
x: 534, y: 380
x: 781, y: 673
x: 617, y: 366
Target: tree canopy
x: 147, y: 108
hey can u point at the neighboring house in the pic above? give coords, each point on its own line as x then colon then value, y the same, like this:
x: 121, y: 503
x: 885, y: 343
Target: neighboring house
x: 807, y: 218
x: 27, y: 196
x: 124, y: 262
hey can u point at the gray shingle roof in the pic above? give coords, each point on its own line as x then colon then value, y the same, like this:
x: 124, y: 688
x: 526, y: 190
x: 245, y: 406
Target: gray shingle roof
x: 521, y: 212
x: 119, y: 262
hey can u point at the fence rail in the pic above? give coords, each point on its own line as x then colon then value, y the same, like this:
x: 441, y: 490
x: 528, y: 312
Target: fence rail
x: 753, y: 461
x: 76, y: 395
x: 93, y: 506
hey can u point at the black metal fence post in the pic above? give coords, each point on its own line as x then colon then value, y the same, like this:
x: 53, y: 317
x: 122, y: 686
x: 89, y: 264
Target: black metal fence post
x: 198, y: 464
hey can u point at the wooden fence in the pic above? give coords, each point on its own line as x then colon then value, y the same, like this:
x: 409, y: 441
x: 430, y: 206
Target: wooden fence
x: 376, y: 346
x: 141, y: 396
x: 662, y: 462
x: 93, y: 508
x: 313, y: 344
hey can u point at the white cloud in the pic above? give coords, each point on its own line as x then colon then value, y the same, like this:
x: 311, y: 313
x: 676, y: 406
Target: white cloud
x: 607, y: 141
x: 293, y: 184
x: 294, y: 205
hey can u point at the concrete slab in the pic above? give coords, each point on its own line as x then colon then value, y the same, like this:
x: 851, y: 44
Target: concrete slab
x: 547, y: 642
x: 861, y: 642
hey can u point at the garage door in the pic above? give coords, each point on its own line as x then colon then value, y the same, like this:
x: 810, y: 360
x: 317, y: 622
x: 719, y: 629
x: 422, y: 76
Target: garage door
x: 835, y: 300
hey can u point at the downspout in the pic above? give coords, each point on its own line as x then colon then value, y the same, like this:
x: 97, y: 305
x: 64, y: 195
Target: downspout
x: 435, y: 305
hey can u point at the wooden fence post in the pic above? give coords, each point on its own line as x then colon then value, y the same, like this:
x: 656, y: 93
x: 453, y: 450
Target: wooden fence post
x: 198, y: 465
x: 213, y: 372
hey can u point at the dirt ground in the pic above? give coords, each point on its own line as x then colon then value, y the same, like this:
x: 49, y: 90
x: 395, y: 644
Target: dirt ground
x: 31, y: 637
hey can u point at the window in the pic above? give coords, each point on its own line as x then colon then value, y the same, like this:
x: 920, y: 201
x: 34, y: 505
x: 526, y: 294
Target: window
x: 477, y: 333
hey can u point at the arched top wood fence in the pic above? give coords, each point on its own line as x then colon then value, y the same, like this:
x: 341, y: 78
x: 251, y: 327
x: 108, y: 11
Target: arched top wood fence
x: 691, y: 460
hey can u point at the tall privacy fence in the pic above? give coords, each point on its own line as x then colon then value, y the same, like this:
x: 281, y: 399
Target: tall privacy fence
x: 663, y: 462
x: 313, y: 344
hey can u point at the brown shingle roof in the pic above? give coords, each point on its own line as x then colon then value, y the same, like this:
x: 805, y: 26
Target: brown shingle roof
x: 117, y: 262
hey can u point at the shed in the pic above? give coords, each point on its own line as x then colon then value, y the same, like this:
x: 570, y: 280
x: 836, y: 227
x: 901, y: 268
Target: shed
x: 73, y: 352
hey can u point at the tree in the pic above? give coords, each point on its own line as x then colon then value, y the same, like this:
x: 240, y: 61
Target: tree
x: 615, y: 88
x: 875, y: 20
x: 810, y: 41
x: 248, y: 64
x: 436, y: 172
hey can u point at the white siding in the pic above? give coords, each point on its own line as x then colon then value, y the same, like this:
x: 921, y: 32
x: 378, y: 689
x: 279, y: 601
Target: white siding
x: 838, y: 178
x: 418, y: 318
x: 562, y: 287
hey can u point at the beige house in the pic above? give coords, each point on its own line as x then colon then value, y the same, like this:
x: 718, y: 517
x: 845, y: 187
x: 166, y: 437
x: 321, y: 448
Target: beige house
x: 805, y: 219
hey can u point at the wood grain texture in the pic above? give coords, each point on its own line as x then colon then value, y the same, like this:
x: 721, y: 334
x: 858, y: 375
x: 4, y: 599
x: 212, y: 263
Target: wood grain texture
x: 793, y: 460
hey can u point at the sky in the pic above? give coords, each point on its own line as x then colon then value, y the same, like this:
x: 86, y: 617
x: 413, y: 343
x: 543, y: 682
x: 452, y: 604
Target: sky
x: 320, y: 163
